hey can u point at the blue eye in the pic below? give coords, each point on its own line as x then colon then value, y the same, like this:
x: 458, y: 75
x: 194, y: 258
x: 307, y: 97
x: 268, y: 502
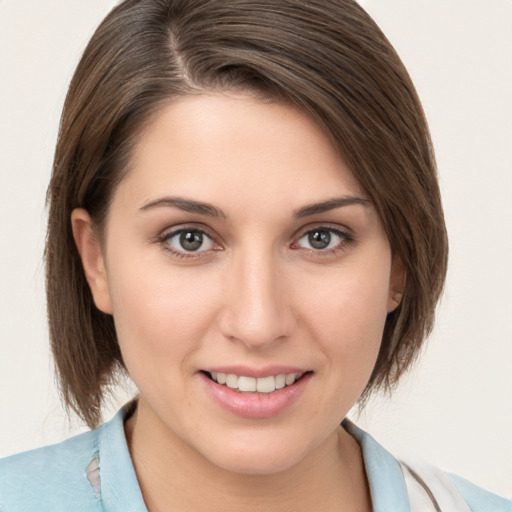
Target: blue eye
x: 322, y: 239
x: 188, y: 240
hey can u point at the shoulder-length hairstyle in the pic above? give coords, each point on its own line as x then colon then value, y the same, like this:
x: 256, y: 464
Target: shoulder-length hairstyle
x: 326, y: 57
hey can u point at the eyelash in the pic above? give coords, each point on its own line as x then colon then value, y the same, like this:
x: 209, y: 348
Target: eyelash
x: 166, y: 237
x: 346, y: 241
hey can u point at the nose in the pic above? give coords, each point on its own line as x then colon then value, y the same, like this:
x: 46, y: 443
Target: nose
x: 256, y: 310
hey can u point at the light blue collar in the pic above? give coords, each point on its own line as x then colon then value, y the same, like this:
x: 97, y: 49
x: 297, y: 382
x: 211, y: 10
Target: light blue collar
x: 120, y: 490
x: 387, y: 484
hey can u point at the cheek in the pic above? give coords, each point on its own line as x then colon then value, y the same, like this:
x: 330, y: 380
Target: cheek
x: 349, y: 302
x: 160, y: 315
x: 346, y: 315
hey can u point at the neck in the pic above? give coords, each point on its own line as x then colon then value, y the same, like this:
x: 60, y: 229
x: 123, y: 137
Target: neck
x: 174, y: 476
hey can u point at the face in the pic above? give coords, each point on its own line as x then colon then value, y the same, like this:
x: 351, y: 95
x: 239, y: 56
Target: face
x: 249, y: 279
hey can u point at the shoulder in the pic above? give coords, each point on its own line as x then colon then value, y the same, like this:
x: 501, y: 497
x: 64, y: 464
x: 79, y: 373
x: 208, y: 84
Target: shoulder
x: 447, y: 491
x: 410, y: 486
x: 479, y: 499
x: 65, y: 477
x: 53, y: 478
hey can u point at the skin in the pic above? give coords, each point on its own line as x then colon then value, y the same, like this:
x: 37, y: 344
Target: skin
x: 256, y: 293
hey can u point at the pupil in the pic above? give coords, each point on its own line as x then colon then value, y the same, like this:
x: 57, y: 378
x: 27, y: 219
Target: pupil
x: 191, y: 240
x: 319, y: 239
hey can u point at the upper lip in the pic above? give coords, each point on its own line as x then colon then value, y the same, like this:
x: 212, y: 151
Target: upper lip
x: 249, y: 371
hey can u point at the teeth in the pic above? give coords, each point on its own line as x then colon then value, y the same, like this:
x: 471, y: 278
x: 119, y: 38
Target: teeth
x: 280, y: 381
x: 289, y: 379
x: 247, y: 384
x: 231, y: 381
x: 266, y: 384
x: 252, y: 384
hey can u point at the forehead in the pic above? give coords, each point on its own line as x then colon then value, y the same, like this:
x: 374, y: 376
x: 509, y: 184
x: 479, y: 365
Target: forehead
x: 218, y: 147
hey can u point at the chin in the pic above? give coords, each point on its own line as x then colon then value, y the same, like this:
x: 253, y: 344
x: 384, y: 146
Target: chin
x: 258, y: 455
x: 257, y: 464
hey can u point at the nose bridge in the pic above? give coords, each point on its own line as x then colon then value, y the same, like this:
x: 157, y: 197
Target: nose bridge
x: 257, y: 309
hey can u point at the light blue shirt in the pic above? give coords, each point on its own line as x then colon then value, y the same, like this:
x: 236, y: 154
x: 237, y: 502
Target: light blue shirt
x: 94, y: 472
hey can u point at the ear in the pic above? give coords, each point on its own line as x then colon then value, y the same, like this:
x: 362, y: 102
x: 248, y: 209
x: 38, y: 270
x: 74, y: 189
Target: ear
x: 89, y: 248
x: 397, y: 281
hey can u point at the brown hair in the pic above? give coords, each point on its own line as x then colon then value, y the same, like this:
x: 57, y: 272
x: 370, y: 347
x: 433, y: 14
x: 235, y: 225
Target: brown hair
x: 329, y: 59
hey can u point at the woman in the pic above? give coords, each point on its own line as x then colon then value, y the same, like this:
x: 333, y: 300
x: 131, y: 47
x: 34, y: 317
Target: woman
x: 245, y: 218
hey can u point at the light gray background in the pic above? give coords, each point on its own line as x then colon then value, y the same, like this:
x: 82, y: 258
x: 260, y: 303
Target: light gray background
x: 455, y: 408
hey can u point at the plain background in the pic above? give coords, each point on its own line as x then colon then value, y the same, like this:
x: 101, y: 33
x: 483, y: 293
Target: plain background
x: 455, y: 407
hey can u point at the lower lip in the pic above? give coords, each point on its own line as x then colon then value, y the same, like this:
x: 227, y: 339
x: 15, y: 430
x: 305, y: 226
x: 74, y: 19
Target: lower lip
x: 256, y: 405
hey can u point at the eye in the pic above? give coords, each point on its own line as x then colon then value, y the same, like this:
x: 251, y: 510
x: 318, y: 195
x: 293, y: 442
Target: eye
x: 186, y: 241
x: 323, y: 239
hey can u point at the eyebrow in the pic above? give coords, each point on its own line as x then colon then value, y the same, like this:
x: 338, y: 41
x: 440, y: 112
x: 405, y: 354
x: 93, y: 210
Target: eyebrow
x: 330, y: 204
x: 187, y: 205
x: 207, y: 209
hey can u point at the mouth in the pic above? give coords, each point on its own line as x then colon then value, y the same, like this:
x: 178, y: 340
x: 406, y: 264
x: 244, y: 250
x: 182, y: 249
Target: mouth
x: 246, y: 384
x: 256, y: 393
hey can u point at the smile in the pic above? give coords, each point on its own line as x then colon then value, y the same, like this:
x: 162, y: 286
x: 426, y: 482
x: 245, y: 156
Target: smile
x: 255, y: 384
x: 256, y: 394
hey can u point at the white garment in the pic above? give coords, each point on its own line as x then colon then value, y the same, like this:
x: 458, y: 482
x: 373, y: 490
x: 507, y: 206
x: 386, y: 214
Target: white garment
x: 431, y: 489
